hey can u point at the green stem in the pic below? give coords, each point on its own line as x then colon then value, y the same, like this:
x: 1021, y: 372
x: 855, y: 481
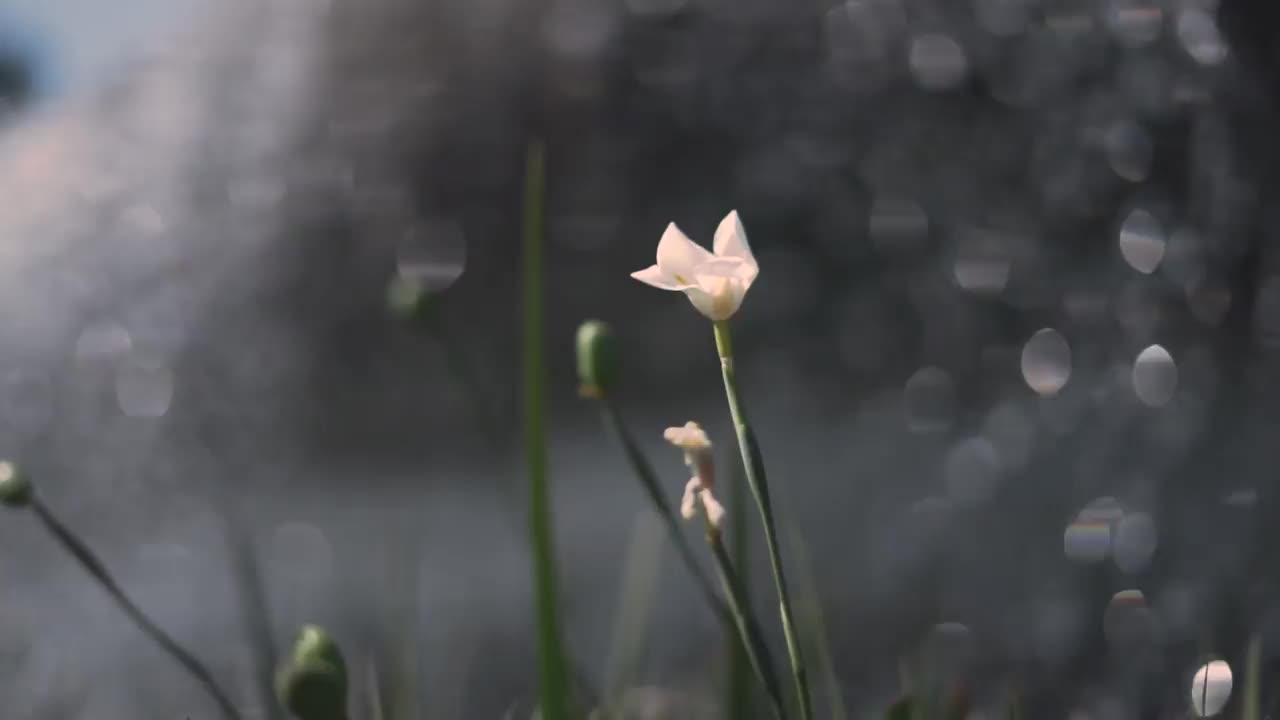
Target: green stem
x: 753, y: 463
x: 253, y: 604
x: 737, y: 693
x: 552, y: 674
x: 758, y: 652
x: 460, y: 367
x: 90, y: 562
x: 1253, y: 680
x: 752, y: 639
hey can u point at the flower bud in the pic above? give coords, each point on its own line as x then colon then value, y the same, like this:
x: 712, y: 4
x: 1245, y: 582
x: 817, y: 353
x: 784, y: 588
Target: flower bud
x: 15, y: 486
x: 314, y: 642
x: 408, y: 299
x: 313, y: 683
x: 597, y: 358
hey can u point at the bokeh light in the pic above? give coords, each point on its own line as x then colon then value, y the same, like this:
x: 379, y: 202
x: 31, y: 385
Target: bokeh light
x: 432, y: 254
x: 1135, y: 542
x: 972, y: 470
x: 1046, y: 362
x: 1155, y: 376
x: 929, y: 400
x: 1142, y: 241
x: 1211, y: 688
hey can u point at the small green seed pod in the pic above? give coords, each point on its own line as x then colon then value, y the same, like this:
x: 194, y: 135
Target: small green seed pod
x: 597, y: 358
x: 15, y: 486
x: 314, y: 642
x: 409, y: 300
x: 313, y: 684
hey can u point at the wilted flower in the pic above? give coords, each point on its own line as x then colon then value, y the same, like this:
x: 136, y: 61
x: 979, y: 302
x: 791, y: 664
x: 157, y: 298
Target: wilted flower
x: 695, y: 494
x: 697, y: 449
x: 697, y: 455
x: 688, y: 437
x: 714, y: 282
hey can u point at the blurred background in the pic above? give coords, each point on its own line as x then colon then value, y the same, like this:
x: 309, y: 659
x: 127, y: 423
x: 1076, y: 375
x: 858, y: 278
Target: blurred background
x: 1012, y: 355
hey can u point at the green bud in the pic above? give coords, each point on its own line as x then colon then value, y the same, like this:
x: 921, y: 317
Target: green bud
x: 314, y: 642
x: 15, y: 486
x: 313, y: 690
x: 313, y: 684
x: 597, y: 358
x: 408, y: 299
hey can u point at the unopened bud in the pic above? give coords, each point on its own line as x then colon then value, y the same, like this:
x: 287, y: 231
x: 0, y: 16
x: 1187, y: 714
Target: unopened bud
x: 15, y: 486
x: 313, y: 683
x: 409, y: 299
x: 597, y: 358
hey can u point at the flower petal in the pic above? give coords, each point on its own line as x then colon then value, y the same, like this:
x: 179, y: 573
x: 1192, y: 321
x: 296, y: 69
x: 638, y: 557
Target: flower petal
x: 726, y: 267
x: 689, y: 503
x: 717, y: 296
x: 659, y: 278
x: 731, y: 240
x: 704, y: 303
x: 678, y: 255
x: 689, y: 436
x: 715, y: 511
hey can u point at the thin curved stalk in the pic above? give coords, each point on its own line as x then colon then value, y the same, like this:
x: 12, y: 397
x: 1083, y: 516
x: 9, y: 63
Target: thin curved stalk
x: 90, y: 562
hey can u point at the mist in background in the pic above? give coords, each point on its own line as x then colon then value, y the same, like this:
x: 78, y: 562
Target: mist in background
x: 1011, y: 353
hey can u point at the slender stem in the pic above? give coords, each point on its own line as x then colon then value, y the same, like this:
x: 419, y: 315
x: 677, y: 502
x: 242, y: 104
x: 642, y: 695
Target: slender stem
x: 552, y: 674
x: 737, y: 693
x: 253, y: 607
x: 757, y: 652
x: 460, y: 367
x: 753, y: 463
x: 753, y: 640
x: 374, y: 691
x: 90, y: 562
x: 1253, y: 680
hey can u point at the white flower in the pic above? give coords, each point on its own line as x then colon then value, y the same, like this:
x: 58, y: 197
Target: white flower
x: 714, y: 282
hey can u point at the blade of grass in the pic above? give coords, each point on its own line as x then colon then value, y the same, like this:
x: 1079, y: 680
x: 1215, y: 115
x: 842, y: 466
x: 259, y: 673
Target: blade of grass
x: 811, y: 609
x: 253, y: 607
x: 373, y: 689
x: 403, y: 632
x: 1253, y: 680
x: 635, y: 603
x: 552, y: 675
